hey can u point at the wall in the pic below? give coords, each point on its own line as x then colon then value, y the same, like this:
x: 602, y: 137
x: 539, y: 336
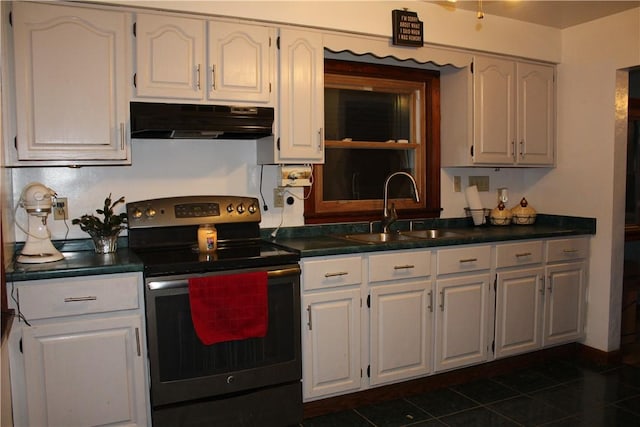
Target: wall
x: 589, y: 179
x: 167, y: 168
x: 586, y: 181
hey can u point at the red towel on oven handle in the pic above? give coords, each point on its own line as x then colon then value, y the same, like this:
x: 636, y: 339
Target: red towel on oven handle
x: 229, y: 307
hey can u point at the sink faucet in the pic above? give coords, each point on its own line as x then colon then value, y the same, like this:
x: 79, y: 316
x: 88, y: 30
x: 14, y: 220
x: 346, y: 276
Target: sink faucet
x: 389, y: 216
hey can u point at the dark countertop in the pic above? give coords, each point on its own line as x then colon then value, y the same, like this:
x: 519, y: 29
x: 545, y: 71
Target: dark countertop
x: 310, y: 241
x: 326, y: 240
x: 77, y: 263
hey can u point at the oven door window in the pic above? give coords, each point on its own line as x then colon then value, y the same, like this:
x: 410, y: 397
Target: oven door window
x: 181, y: 355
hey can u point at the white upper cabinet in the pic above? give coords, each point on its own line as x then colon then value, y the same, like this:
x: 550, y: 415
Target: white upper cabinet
x: 240, y: 58
x: 196, y: 60
x: 300, y: 137
x: 170, y: 57
x: 499, y: 112
x: 71, y: 96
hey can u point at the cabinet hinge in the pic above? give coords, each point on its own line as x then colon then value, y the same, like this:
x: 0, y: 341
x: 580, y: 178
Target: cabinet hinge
x: 11, y: 19
x: 368, y: 301
x: 135, y: 79
x: 368, y: 371
x: 278, y: 43
x: 135, y: 29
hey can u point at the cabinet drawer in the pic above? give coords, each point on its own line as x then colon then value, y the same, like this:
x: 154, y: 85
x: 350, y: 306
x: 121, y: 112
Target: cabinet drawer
x: 331, y: 272
x: 567, y: 249
x: 399, y: 265
x: 461, y: 260
x: 515, y: 254
x: 78, y: 295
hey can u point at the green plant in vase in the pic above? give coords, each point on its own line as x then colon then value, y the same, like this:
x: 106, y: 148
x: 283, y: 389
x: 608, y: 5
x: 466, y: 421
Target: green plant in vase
x: 104, y: 231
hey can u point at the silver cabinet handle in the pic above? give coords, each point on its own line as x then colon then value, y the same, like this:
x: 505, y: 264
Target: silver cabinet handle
x: 570, y: 251
x: 338, y: 273
x: 138, y: 342
x: 430, y: 306
x: 513, y: 149
x: 522, y: 149
x: 123, y: 136
x: 441, y: 300
x: 213, y: 77
x: 403, y: 267
x: 550, y: 287
x: 469, y: 260
x: 524, y: 254
x: 198, y: 76
x: 320, y: 139
x: 80, y: 299
x: 309, y: 317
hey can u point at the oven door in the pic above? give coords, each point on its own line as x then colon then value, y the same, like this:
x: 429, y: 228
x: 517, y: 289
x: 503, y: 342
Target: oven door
x: 183, y: 369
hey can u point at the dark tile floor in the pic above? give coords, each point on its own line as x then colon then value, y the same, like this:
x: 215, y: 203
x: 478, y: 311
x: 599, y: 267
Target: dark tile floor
x: 558, y: 393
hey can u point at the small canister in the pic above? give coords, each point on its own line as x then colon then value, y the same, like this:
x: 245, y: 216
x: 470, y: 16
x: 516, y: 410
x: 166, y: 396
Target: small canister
x: 207, y: 238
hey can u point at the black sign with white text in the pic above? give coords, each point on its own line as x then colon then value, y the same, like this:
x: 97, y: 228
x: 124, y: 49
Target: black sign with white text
x: 407, y: 28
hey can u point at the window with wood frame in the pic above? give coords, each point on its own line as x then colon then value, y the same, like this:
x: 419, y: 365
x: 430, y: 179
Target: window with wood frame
x: 379, y: 119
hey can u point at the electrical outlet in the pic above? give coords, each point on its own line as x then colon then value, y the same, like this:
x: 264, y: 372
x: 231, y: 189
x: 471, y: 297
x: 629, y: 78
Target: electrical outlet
x: 278, y: 197
x: 60, y: 209
x: 482, y: 182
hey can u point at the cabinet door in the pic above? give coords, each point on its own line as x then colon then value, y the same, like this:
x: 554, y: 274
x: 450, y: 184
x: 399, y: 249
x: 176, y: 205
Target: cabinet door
x: 170, y: 57
x: 461, y: 321
x: 71, y: 96
x: 401, y: 323
x: 564, y: 303
x: 240, y: 62
x: 536, y: 114
x: 331, y: 343
x: 494, y: 110
x: 519, y: 299
x: 301, y: 131
x: 88, y: 372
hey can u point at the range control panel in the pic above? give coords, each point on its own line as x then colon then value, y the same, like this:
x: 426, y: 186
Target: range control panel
x: 192, y: 210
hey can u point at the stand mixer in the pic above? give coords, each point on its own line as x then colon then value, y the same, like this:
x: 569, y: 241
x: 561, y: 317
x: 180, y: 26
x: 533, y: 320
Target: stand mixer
x: 37, y: 200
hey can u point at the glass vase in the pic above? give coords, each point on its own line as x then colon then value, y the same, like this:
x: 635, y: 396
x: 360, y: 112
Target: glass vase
x: 105, y: 244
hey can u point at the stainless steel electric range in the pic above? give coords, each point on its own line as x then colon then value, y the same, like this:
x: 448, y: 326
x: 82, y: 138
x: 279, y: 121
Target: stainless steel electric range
x: 253, y: 381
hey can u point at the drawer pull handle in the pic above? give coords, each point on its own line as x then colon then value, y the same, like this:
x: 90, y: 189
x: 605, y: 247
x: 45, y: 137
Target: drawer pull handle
x: 403, y: 267
x: 338, y: 273
x: 469, y: 260
x: 309, y: 317
x: 441, y: 300
x: 79, y: 299
x: 430, y: 302
x: 523, y: 254
x: 569, y: 251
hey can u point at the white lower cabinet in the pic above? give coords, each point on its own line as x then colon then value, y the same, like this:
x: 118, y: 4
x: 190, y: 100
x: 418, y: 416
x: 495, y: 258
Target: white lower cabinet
x: 400, y: 316
x: 386, y: 317
x: 564, y: 303
x: 462, y: 306
x: 331, y: 331
x: 81, y: 360
x: 519, y: 298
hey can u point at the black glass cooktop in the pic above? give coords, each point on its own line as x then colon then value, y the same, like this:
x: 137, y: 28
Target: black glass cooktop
x: 188, y: 260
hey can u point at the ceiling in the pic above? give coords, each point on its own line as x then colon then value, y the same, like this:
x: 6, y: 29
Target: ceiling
x: 557, y: 14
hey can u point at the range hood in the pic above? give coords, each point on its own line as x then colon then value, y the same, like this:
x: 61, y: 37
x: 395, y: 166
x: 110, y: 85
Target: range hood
x: 196, y: 121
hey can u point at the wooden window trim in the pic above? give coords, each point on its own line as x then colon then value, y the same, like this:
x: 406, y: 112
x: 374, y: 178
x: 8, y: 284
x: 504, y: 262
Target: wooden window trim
x: 428, y: 165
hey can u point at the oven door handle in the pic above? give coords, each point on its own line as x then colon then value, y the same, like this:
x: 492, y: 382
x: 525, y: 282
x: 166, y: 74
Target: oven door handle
x: 182, y: 283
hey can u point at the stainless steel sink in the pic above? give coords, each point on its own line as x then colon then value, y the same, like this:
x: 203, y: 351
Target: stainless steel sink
x: 429, y: 234
x: 377, y: 237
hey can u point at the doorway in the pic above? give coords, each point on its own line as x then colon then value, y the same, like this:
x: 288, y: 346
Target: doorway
x: 630, y: 326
